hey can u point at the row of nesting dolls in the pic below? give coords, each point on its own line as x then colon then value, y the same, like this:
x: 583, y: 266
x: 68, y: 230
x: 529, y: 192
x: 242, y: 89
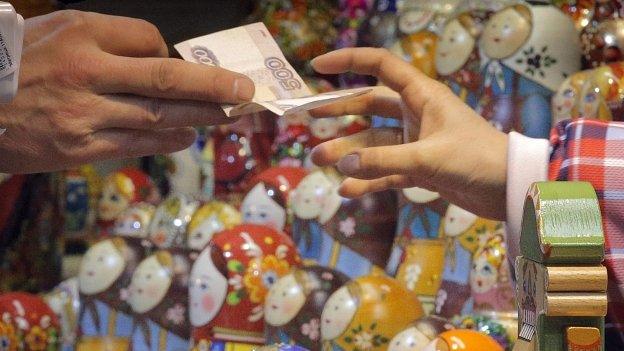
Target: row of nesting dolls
x: 508, y: 64
x: 451, y: 258
x: 431, y: 256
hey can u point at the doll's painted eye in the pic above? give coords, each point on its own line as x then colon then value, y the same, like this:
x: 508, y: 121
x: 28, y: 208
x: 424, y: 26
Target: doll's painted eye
x: 148, y: 276
x: 284, y: 294
x: 568, y: 93
x: 590, y: 97
x: 263, y: 215
x: 114, y: 197
x: 506, y: 27
x: 487, y: 269
x: 100, y: 259
x: 203, y: 286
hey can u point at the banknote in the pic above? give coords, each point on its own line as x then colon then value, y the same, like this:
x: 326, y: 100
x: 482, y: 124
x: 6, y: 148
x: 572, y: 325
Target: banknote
x: 252, y: 51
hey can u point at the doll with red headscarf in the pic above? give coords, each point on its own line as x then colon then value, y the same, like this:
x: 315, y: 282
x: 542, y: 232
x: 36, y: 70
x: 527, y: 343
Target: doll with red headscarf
x: 121, y: 189
x: 229, y: 282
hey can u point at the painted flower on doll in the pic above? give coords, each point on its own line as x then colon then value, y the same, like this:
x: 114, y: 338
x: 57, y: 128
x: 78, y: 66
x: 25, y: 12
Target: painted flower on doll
x: 27, y: 323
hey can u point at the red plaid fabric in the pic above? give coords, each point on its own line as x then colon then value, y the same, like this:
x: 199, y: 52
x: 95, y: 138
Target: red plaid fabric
x: 593, y: 151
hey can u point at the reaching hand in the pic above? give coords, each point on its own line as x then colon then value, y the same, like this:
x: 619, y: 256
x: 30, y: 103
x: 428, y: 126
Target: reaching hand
x: 96, y: 87
x: 452, y: 150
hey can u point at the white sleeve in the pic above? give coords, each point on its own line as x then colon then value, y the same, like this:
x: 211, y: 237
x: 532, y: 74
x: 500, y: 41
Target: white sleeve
x: 527, y: 162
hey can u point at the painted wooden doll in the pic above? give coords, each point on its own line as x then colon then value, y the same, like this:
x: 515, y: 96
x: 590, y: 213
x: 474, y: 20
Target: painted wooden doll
x: 292, y: 141
x: 353, y: 236
x: 602, y: 95
x: 490, y: 278
x: 417, y: 44
x: 76, y: 201
x: 366, y: 313
x: 502, y: 327
x: 565, y: 102
x: 457, y: 56
x: 121, y: 189
x: 105, y: 272
x: 601, y: 38
x: 27, y: 323
x: 158, y: 297
x: 268, y: 200
x: 461, y: 230
x: 134, y: 221
x: 419, y: 334
x: 463, y: 340
x: 528, y: 50
x: 209, y: 219
x: 292, y: 310
x: 417, y: 256
x: 229, y: 283
x: 168, y: 226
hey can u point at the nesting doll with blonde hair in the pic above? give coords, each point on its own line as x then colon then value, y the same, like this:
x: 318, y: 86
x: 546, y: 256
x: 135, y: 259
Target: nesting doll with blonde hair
x: 366, y: 313
x: 353, y: 236
x: 565, y: 102
x: 419, y: 334
x: 292, y: 310
x: 527, y: 52
x: 457, y: 55
x: 158, y: 297
x: 462, y: 231
x: 121, y: 189
x: 209, y: 219
x: 602, y: 95
x: 417, y: 256
x: 105, y: 272
x: 229, y: 282
x: 169, y: 224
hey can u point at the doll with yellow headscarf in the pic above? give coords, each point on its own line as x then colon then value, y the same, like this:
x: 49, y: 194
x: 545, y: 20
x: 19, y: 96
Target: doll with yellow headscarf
x: 208, y: 220
x: 602, y: 93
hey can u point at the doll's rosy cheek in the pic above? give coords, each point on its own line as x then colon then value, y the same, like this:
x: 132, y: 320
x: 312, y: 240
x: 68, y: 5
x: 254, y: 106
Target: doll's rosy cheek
x: 208, y: 303
x: 567, y: 103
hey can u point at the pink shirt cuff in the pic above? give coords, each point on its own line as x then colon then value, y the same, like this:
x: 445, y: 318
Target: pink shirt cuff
x: 527, y: 162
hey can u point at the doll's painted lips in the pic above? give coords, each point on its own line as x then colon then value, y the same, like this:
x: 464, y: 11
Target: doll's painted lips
x: 90, y: 273
x: 497, y: 40
x: 443, y: 54
x: 274, y: 307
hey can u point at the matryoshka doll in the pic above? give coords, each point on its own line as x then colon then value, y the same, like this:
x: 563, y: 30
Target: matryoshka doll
x: 105, y: 272
x: 121, y: 189
x: 292, y: 310
x: 366, y: 313
x: 168, y: 226
x: 490, y: 276
x: 28, y: 323
x: 565, y: 102
x: 209, y: 219
x: 603, y: 93
x: 291, y: 144
x: 133, y: 222
x: 463, y: 340
x: 158, y: 296
x: 268, y: 200
x: 461, y: 231
x: 417, y: 44
x: 76, y: 201
x: 602, y: 39
x: 419, y: 334
x: 353, y: 236
x: 457, y: 55
x: 503, y: 327
x: 417, y: 256
x: 528, y: 50
x: 229, y: 283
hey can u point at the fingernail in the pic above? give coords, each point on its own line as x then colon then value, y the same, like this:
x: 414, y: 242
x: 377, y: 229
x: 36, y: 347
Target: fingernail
x: 244, y: 89
x: 349, y: 164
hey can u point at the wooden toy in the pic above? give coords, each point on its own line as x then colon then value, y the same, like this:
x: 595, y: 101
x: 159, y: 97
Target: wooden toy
x: 353, y: 236
x: 292, y: 310
x: 561, y: 284
x: 168, y: 226
x: 419, y: 334
x: 463, y: 340
x: 230, y: 281
x: 209, y: 219
x: 134, y: 221
x: 366, y: 313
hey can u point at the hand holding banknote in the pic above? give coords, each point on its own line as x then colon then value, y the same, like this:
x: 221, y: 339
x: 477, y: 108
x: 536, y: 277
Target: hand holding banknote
x: 252, y: 51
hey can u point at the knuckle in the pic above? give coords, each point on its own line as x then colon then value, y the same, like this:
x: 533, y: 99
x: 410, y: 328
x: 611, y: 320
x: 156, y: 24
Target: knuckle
x: 164, y: 77
x: 72, y: 17
x: 77, y: 69
x: 154, y: 112
x: 152, y: 37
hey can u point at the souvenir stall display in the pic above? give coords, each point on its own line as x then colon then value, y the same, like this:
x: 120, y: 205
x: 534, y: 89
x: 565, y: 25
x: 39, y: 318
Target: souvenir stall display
x: 241, y: 243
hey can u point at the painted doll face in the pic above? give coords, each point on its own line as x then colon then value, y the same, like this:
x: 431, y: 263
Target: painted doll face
x: 149, y: 285
x: 259, y: 208
x: 564, y: 100
x: 100, y: 267
x: 590, y: 100
x: 337, y: 313
x: 454, y: 48
x: 505, y: 33
x: 207, y: 289
x: 133, y: 222
x: 457, y: 221
x: 410, y: 339
x: 413, y: 21
x: 309, y: 195
x: 420, y: 195
x: 112, y: 202
x: 325, y: 128
x: 284, y: 301
x: 483, y: 275
x: 199, y: 236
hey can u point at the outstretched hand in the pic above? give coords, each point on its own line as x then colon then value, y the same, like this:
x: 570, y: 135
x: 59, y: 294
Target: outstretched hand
x: 451, y: 149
